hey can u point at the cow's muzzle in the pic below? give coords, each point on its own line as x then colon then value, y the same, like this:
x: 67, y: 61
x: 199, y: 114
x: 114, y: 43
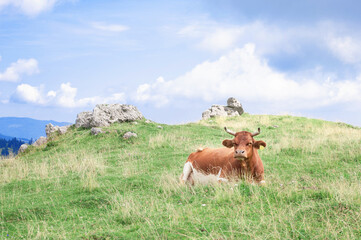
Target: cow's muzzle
x: 240, y: 154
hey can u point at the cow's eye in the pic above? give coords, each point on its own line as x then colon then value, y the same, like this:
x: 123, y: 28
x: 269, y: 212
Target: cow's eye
x: 249, y: 144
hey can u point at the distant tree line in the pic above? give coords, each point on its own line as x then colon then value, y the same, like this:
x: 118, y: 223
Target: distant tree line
x: 10, y: 146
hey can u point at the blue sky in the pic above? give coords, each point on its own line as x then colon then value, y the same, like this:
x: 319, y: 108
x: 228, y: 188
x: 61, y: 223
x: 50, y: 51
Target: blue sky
x: 174, y: 59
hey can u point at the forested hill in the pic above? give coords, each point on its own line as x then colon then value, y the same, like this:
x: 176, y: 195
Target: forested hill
x: 8, y: 146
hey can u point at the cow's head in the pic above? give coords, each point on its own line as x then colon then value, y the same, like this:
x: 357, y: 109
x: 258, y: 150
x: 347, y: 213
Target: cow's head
x: 243, y: 143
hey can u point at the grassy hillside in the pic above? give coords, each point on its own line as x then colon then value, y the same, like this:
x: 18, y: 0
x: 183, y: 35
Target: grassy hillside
x: 81, y: 186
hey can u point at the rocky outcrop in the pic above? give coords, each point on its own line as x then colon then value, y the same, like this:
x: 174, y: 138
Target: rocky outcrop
x: 233, y: 108
x: 84, y: 120
x: 40, y: 141
x: 128, y: 135
x: 96, y: 131
x: 105, y: 114
x: 50, y: 129
x: 234, y: 105
x: 23, y: 147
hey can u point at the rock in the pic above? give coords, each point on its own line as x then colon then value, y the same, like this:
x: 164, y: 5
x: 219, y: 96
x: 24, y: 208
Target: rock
x: 40, y: 141
x: 148, y: 121
x: 105, y: 114
x: 206, y: 114
x: 233, y: 108
x: 232, y: 102
x: 215, y: 110
x: 231, y: 111
x: 128, y: 135
x: 134, y: 123
x: 83, y: 119
x: 62, y: 130
x: 96, y: 131
x: 50, y: 128
x: 160, y: 127
x: 23, y: 147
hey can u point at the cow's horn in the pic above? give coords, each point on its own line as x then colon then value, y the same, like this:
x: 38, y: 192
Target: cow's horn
x: 256, y: 133
x: 229, y: 131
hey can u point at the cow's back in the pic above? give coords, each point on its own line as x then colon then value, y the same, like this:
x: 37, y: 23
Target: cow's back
x: 210, y: 160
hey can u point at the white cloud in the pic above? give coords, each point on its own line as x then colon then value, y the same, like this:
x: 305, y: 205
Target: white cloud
x: 28, y: 94
x: 343, y: 42
x: 212, y: 36
x: 109, y: 27
x: 29, y: 7
x: 145, y: 93
x: 64, y: 97
x: 20, y: 67
x: 347, y: 48
x: 245, y: 75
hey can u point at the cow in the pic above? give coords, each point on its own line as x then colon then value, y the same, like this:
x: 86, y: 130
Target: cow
x: 238, y: 159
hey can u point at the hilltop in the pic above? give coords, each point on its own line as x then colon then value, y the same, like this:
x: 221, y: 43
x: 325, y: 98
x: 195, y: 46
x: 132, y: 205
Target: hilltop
x: 81, y: 186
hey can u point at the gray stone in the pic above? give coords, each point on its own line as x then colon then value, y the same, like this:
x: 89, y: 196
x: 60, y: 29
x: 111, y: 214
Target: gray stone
x: 105, y: 114
x: 160, y: 127
x: 83, y: 119
x: 215, y: 110
x: 233, y: 108
x: 148, y: 121
x: 40, y: 141
x: 62, y: 130
x: 96, y: 131
x: 50, y: 129
x: 23, y: 147
x: 232, y: 102
x: 128, y: 135
x: 231, y: 112
x: 206, y: 114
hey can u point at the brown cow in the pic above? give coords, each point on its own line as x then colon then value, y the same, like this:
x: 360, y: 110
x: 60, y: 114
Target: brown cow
x: 207, y: 165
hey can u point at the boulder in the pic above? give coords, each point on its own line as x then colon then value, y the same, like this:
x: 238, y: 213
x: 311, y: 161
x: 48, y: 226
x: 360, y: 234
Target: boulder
x: 105, y: 114
x: 233, y: 108
x: 83, y: 119
x: 23, y: 147
x: 232, y: 102
x: 128, y: 135
x: 50, y: 128
x: 40, y: 141
x: 215, y: 110
x: 96, y: 131
x: 234, y: 105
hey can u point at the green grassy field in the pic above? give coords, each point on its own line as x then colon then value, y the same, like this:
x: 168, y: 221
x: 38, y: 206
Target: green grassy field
x: 81, y: 186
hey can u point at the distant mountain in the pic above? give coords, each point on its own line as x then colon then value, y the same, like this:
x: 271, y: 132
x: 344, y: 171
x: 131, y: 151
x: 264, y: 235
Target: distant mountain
x: 10, y: 138
x: 25, y: 128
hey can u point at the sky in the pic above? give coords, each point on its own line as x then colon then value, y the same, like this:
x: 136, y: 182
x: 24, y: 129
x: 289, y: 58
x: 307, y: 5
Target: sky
x: 174, y: 59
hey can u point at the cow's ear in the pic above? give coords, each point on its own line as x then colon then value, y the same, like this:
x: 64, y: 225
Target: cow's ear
x: 228, y: 143
x: 258, y: 144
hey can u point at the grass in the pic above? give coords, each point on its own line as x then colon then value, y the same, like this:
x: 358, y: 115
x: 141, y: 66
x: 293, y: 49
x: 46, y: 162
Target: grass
x: 81, y: 186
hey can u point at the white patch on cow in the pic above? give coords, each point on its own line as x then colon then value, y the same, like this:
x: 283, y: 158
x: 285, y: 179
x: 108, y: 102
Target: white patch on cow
x: 223, y: 179
x: 202, y: 178
x: 262, y: 182
x: 187, y: 169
